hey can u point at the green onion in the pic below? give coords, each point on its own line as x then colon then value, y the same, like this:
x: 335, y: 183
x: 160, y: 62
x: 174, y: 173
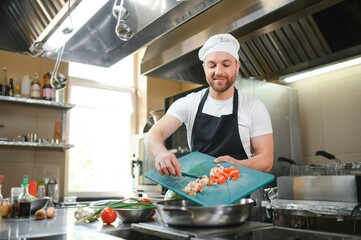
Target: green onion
x: 114, y: 205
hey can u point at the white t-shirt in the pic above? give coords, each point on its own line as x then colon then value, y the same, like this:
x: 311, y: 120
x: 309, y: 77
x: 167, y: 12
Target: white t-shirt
x: 253, y: 117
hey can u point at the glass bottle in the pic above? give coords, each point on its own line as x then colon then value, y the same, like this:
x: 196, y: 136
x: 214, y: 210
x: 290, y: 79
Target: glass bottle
x: 24, y: 199
x: 47, y: 92
x: 35, y: 87
x: 11, y: 90
x: 17, y: 92
x: 4, y: 82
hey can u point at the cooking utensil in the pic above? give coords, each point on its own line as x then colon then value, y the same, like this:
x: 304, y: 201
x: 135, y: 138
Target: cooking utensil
x: 132, y: 215
x: 187, y: 213
x: 190, y: 175
x: 200, y: 164
x: 39, y: 203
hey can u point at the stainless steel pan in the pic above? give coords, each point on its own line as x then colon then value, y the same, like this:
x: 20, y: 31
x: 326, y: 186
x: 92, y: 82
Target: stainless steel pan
x: 186, y: 213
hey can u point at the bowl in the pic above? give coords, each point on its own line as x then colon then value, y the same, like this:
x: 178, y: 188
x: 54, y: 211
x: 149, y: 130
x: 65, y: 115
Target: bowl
x: 133, y: 215
x: 38, y: 203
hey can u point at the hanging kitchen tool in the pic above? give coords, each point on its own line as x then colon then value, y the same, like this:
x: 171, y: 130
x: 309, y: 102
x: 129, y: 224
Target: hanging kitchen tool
x: 58, y: 81
x: 123, y: 31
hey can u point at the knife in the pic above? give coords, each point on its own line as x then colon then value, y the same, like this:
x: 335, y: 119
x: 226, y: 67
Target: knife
x: 190, y: 175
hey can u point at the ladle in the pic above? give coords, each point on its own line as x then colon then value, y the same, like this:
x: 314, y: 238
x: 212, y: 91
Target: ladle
x: 119, y: 12
x: 123, y: 31
x: 58, y: 80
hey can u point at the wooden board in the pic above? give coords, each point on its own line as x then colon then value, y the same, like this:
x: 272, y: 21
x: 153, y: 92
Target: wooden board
x: 200, y: 164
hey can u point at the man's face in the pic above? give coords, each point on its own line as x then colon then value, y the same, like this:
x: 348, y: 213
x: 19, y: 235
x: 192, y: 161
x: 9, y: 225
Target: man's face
x: 221, y: 70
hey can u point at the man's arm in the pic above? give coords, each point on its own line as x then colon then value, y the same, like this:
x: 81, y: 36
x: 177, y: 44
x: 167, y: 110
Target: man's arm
x: 165, y: 161
x: 262, y: 159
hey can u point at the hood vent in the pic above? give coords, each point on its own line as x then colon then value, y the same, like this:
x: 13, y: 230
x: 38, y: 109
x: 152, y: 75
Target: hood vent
x: 22, y: 22
x: 96, y: 43
x: 281, y: 38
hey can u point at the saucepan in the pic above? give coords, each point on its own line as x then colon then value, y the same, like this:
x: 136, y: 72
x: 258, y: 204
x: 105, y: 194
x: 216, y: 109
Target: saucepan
x: 185, y: 213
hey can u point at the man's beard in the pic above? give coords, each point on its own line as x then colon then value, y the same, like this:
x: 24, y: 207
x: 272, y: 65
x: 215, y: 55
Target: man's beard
x: 224, y: 87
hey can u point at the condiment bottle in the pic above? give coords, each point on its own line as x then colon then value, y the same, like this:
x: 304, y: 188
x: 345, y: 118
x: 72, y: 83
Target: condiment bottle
x: 15, y: 193
x: 25, y: 86
x: 24, y: 199
x: 41, y: 189
x: 47, y: 92
x: 17, y: 92
x: 35, y: 87
x: 4, y: 82
x: 11, y: 90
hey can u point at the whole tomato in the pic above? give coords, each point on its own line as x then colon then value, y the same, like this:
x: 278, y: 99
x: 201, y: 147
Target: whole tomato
x: 108, y: 215
x: 145, y: 200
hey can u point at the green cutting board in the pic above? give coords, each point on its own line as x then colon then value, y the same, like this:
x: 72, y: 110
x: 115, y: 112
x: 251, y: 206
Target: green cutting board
x: 199, y: 164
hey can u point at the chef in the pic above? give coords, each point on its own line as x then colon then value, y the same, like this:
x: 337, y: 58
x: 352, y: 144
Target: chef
x: 221, y: 121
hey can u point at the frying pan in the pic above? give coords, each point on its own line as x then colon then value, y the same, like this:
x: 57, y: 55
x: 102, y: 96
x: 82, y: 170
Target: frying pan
x: 188, y: 214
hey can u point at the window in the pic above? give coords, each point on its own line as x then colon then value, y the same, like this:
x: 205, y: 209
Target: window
x: 100, y: 127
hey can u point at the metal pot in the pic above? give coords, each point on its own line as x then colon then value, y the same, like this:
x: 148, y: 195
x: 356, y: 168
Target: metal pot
x: 186, y: 213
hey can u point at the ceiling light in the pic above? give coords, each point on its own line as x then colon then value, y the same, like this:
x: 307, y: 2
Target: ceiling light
x: 322, y: 70
x: 66, y: 23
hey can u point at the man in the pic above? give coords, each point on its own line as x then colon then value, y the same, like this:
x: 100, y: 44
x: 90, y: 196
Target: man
x: 220, y: 120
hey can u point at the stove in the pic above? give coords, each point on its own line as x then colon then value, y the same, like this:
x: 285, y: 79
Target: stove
x: 248, y: 230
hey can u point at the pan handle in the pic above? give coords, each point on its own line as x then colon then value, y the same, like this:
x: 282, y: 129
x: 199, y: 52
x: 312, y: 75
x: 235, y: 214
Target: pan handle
x: 287, y: 160
x: 328, y: 156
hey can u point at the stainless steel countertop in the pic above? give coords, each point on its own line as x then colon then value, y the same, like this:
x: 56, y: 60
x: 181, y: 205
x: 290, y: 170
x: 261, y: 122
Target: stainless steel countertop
x: 61, y: 224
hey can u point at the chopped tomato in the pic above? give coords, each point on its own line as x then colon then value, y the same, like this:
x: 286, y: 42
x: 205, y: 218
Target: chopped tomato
x: 145, y: 200
x: 221, y: 180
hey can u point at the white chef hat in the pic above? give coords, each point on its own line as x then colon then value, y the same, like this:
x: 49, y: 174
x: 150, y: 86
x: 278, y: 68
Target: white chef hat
x: 220, y: 42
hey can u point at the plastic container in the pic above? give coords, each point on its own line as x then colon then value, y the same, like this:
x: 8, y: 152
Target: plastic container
x: 25, y: 86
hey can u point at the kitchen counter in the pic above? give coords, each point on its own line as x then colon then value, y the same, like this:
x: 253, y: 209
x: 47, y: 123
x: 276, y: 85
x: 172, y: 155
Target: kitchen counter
x: 62, y: 227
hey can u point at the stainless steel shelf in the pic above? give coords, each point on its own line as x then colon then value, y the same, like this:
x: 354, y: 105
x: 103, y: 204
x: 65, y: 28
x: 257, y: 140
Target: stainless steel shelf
x: 62, y: 146
x: 44, y: 103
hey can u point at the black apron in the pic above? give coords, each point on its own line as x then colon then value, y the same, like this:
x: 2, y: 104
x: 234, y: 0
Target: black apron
x: 217, y: 136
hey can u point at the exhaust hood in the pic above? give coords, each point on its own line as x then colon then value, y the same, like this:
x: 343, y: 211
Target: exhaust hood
x: 277, y: 37
x: 26, y: 26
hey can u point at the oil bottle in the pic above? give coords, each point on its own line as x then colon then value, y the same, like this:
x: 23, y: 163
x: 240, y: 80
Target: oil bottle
x: 24, y: 199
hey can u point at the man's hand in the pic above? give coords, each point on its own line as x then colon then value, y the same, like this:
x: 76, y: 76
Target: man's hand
x: 168, y: 164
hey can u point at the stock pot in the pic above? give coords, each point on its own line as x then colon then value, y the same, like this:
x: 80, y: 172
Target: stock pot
x: 188, y: 214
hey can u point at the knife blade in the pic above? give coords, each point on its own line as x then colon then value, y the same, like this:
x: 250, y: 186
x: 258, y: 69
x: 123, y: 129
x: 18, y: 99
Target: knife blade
x: 190, y: 175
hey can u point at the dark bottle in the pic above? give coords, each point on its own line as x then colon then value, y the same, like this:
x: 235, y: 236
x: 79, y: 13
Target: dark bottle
x: 11, y: 90
x: 24, y: 200
x: 4, y: 82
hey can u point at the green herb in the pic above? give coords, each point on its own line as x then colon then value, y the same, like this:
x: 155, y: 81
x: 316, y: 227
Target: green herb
x: 126, y: 203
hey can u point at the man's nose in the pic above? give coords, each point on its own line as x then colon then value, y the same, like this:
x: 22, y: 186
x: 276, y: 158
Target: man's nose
x: 219, y: 69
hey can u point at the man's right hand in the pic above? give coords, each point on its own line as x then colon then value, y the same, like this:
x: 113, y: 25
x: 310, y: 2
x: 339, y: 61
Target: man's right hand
x: 168, y: 164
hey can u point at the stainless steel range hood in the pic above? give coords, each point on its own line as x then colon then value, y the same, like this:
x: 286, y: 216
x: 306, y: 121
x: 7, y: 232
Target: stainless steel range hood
x: 26, y: 25
x: 277, y: 38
